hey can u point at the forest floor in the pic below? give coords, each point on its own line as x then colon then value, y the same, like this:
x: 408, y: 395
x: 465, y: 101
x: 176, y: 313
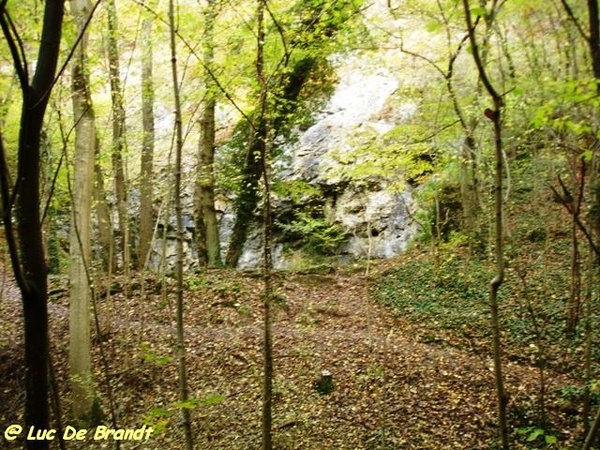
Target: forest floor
x: 393, y: 387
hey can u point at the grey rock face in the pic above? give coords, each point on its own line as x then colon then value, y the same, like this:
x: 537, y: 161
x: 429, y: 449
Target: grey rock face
x: 376, y: 219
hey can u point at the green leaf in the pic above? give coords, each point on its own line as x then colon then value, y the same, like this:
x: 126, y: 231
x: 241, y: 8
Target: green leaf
x: 160, y: 412
x: 213, y: 399
x: 478, y: 11
x: 160, y: 426
x: 535, y: 434
x: 433, y: 26
x: 550, y: 439
x: 190, y: 403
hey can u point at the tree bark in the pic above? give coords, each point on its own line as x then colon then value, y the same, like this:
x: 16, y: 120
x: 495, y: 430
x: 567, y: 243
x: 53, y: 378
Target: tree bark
x: 27, y: 257
x: 594, y: 44
x: 183, y: 384
x: 594, y: 40
x: 80, y: 231
x: 265, y: 139
x: 207, y: 226
x: 146, y: 220
x: 574, y: 302
x: 245, y: 203
x: 118, y: 135
x: 103, y: 218
x: 495, y: 116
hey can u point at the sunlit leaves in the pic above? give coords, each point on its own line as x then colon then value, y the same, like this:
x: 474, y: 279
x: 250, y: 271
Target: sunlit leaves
x: 313, y: 233
x: 434, y: 26
x: 533, y: 434
x: 296, y: 190
x: 150, y: 355
x: 570, y: 109
x: 160, y: 417
x: 478, y: 11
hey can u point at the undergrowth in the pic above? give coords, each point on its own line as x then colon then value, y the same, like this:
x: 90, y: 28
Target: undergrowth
x: 447, y: 295
x: 439, y: 295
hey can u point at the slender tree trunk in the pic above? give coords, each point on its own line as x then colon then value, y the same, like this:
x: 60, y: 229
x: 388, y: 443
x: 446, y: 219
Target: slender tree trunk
x: 80, y: 232
x: 27, y: 251
x: 594, y: 45
x: 146, y: 221
x: 183, y: 384
x: 264, y: 137
x: 267, y: 414
x: 499, y: 278
x: 592, y: 433
x: 589, y: 340
x: 118, y: 135
x: 495, y: 116
x: 591, y: 427
x: 103, y: 217
x: 594, y: 39
x: 207, y: 226
x: 574, y: 302
x: 469, y: 168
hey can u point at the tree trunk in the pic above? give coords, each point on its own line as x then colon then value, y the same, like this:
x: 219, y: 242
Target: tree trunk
x: 592, y: 433
x: 183, y: 384
x: 495, y: 116
x: 27, y: 257
x: 573, y: 306
x: 245, y: 203
x: 118, y: 135
x: 146, y: 220
x: 207, y: 226
x: 264, y: 137
x: 247, y: 200
x: 80, y: 232
x: 594, y: 45
x: 103, y: 218
x: 594, y: 40
x: 499, y: 277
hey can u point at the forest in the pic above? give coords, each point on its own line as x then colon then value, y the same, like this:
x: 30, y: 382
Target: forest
x: 302, y: 224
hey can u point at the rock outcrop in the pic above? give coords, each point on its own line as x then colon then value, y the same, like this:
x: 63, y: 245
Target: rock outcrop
x: 375, y: 218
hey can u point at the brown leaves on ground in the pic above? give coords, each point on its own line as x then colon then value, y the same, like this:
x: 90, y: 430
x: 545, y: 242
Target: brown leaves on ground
x: 391, y: 390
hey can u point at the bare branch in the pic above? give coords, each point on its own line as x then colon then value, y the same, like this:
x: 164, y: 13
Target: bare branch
x: 454, y: 55
x: 429, y: 61
x: 477, y: 57
x: 278, y: 26
x: 574, y: 19
x: 14, y: 44
x: 7, y: 203
x: 435, y: 133
x: 19, y: 43
x: 566, y: 199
